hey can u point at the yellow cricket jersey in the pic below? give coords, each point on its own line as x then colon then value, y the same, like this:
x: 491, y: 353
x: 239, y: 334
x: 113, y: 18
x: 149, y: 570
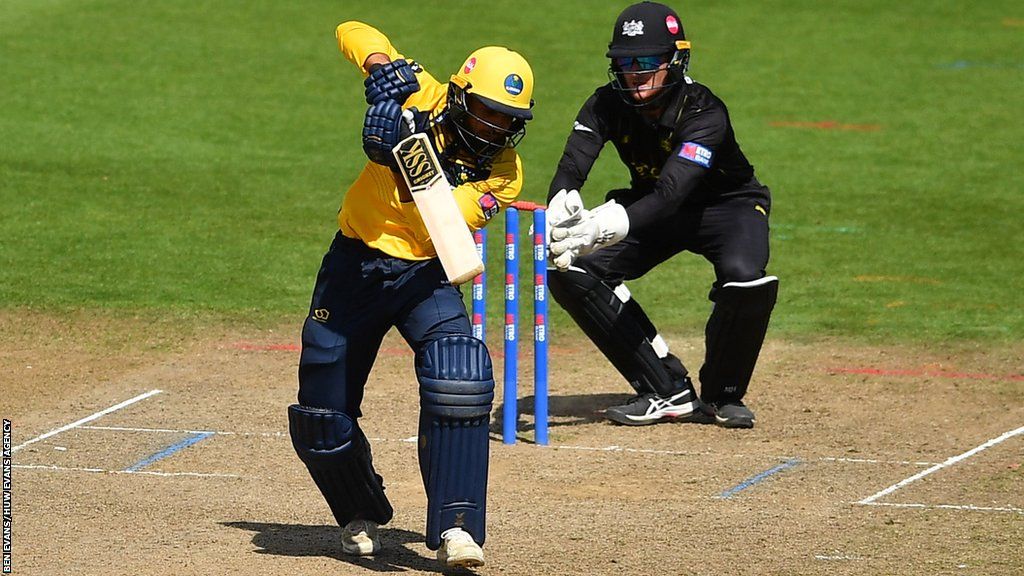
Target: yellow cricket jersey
x: 372, y: 210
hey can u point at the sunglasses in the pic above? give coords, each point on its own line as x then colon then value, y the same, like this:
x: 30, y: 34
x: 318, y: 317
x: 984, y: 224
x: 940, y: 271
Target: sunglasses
x: 639, y: 63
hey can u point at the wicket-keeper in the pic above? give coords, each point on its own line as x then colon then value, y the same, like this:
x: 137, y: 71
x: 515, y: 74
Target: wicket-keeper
x: 691, y: 188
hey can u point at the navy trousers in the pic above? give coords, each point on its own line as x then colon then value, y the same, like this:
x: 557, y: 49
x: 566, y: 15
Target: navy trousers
x: 360, y: 294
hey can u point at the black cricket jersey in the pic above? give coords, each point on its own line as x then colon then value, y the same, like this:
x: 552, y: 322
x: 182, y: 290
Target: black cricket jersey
x: 688, y: 155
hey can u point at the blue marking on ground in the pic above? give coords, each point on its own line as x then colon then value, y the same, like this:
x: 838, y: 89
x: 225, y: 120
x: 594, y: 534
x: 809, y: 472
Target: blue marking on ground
x: 197, y: 437
x: 758, y: 479
x: 963, y: 64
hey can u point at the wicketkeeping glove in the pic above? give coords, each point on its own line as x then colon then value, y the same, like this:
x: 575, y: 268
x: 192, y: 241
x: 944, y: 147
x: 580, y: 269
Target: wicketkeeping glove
x: 564, y: 210
x: 384, y: 126
x: 395, y: 80
x: 602, y: 226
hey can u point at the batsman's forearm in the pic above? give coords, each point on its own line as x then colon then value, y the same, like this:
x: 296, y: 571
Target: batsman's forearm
x: 375, y: 60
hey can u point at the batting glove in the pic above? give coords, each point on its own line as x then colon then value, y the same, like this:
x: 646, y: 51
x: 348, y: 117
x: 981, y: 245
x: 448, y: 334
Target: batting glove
x: 384, y: 126
x: 395, y: 80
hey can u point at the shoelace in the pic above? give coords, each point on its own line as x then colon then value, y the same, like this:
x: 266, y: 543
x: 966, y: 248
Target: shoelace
x: 457, y: 536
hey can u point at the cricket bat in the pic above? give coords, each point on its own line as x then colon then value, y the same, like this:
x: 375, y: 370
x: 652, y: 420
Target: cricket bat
x: 441, y: 215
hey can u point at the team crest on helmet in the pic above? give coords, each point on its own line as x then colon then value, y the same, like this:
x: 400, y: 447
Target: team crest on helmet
x: 633, y: 28
x: 672, y: 24
x: 470, y: 64
x: 514, y: 84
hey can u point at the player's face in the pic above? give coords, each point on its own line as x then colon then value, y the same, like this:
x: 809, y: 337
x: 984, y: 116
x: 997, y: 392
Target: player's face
x: 479, y: 132
x: 644, y: 77
x: 488, y: 124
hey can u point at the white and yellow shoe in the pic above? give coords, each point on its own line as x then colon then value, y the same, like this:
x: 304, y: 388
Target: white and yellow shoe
x: 359, y: 538
x: 458, y: 550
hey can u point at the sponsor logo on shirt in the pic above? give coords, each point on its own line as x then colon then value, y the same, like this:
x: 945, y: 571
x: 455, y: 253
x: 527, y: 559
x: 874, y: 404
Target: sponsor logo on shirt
x: 696, y: 153
x: 580, y: 127
x: 489, y: 205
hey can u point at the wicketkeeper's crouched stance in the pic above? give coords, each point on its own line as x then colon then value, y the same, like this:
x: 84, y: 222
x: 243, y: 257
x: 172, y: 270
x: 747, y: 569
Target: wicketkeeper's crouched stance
x: 382, y: 271
x: 692, y: 189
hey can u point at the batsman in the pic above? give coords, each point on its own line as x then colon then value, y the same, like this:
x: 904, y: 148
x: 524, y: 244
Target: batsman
x: 382, y: 271
x: 691, y: 189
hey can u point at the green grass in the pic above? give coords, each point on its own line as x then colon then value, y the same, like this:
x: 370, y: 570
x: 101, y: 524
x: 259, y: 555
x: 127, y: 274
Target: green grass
x: 188, y: 158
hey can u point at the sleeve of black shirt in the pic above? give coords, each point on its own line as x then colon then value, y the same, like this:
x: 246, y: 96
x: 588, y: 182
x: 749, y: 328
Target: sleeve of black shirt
x: 681, y: 173
x: 589, y: 133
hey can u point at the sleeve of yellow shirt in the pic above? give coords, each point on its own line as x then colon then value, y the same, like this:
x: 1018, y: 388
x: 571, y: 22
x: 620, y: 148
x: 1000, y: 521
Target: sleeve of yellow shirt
x: 503, y: 187
x: 357, y: 41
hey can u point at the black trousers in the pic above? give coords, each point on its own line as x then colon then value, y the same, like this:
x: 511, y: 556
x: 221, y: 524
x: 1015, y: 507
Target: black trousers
x: 731, y: 233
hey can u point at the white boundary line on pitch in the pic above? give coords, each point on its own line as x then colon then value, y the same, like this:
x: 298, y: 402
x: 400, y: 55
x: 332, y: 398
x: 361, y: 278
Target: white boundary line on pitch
x: 684, y: 453
x: 949, y: 462
x: 834, y: 557
x: 968, y: 507
x: 870, y: 461
x: 413, y: 439
x: 89, y: 418
x: 177, y: 431
x: 144, y: 472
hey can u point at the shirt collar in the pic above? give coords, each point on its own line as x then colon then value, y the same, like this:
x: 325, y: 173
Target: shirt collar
x: 670, y: 116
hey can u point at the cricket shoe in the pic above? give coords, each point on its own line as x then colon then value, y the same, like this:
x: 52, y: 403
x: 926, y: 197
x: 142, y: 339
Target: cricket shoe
x: 733, y: 414
x: 651, y: 409
x: 359, y: 538
x: 458, y: 550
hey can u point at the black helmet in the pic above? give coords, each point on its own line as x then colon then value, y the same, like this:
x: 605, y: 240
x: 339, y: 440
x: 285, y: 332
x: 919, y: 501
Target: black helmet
x: 647, y: 35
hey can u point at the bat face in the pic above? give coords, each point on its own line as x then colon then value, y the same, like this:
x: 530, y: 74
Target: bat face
x: 417, y: 162
x: 441, y: 215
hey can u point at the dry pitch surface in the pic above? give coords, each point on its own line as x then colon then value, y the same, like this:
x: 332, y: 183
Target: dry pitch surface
x: 864, y: 461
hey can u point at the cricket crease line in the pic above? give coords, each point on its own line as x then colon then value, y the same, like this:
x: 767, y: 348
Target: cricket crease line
x: 685, y: 453
x: 613, y: 448
x: 758, y: 478
x: 89, y: 418
x: 178, y: 431
x: 949, y: 462
x: 837, y: 557
x: 967, y: 507
x: 871, y: 461
x: 176, y: 447
x: 142, y: 472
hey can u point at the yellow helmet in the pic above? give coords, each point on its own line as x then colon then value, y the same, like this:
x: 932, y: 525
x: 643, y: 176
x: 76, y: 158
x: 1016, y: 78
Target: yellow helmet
x: 500, y: 78
x: 489, y: 101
